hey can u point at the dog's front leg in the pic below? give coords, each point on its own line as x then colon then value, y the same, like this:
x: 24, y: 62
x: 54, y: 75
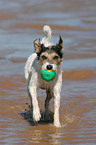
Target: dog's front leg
x: 36, y: 110
x: 56, y: 108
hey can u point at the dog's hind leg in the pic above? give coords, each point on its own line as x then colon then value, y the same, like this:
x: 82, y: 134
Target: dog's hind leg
x: 31, y: 106
x: 48, y: 98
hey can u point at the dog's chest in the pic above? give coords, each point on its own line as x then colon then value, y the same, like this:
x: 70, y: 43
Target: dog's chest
x: 43, y: 84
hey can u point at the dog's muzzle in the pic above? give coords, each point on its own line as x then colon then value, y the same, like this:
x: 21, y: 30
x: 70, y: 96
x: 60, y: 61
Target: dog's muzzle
x: 48, y: 66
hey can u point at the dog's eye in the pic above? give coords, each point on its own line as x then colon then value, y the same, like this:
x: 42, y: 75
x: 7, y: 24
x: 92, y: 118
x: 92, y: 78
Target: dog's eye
x: 55, y: 57
x: 44, y: 57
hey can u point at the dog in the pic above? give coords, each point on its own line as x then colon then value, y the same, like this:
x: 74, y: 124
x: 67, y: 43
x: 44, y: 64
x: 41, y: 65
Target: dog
x: 46, y: 56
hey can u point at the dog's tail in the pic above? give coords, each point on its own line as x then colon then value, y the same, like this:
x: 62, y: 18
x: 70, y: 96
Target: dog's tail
x: 46, y: 39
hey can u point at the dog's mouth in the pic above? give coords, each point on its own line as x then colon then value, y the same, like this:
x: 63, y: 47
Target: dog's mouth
x: 48, y: 75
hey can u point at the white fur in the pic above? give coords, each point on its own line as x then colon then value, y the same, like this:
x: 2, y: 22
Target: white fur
x: 46, y: 39
x: 34, y: 82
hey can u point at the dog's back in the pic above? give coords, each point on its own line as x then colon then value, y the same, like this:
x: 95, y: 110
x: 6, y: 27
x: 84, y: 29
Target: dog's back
x: 30, y: 65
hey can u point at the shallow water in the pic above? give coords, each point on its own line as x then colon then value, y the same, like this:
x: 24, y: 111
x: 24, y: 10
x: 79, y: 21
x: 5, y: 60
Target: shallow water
x: 21, y: 23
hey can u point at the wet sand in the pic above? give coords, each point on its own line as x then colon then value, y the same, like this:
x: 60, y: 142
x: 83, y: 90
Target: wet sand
x: 21, y: 23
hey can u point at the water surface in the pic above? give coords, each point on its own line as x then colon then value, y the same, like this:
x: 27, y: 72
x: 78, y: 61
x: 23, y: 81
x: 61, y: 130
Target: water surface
x: 21, y: 22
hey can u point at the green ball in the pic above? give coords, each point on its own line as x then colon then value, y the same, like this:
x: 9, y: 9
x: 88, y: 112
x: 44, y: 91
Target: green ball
x: 48, y: 75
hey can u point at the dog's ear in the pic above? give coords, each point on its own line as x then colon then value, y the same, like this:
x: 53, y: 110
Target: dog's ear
x: 61, y: 42
x: 37, y: 45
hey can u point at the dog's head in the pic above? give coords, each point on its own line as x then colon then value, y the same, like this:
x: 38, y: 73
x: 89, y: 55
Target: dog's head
x: 49, y: 57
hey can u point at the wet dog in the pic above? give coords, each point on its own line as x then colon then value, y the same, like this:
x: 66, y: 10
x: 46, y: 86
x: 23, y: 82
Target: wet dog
x: 47, y: 56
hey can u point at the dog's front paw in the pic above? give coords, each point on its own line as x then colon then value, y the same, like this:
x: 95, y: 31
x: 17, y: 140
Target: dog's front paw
x: 57, y: 124
x: 36, y: 115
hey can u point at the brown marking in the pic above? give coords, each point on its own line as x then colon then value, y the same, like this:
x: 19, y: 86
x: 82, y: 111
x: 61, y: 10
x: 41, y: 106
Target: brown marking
x: 37, y: 45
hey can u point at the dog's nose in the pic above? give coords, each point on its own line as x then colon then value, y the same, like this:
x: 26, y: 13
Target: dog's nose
x: 49, y: 67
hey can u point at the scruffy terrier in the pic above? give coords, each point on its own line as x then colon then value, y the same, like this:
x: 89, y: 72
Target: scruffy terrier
x: 47, y: 56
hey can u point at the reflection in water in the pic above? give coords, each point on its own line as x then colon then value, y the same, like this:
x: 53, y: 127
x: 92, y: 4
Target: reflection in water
x: 36, y: 137
x: 56, y: 137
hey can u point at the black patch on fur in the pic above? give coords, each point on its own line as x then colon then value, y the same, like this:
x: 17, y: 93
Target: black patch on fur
x: 43, y: 49
x: 56, y: 48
